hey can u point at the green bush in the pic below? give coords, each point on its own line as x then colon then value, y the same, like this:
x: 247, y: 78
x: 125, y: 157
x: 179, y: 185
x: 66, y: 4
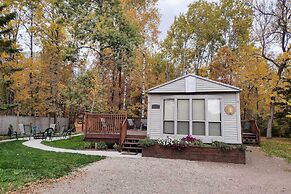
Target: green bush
x: 241, y: 147
x: 147, y: 142
x: 115, y: 146
x: 197, y: 143
x: 223, y: 146
x: 101, y: 146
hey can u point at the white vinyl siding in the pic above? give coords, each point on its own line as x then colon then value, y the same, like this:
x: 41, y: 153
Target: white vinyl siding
x: 155, y: 126
x: 206, y: 86
x: 190, y: 84
x: 177, y: 86
x: 230, y: 124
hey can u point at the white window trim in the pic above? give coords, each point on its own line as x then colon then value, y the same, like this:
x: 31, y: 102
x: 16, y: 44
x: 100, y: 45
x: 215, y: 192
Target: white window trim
x: 189, y: 119
x: 205, y: 138
x: 221, y: 116
x: 163, y: 120
x: 202, y: 121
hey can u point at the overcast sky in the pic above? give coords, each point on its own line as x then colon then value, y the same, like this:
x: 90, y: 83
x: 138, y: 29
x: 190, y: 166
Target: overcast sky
x: 168, y: 10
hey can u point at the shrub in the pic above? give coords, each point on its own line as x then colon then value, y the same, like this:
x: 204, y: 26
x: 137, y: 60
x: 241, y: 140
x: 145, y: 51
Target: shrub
x: 101, y: 145
x: 223, y: 146
x: 179, y: 144
x: 147, y: 142
x: 198, y: 143
x: 116, y: 147
x: 190, y: 141
x: 241, y: 147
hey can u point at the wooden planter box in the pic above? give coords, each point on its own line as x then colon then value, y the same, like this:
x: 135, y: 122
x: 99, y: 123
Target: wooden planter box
x: 196, y: 153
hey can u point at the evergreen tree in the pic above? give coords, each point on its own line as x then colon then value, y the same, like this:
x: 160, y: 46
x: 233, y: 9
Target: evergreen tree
x: 7, y: 54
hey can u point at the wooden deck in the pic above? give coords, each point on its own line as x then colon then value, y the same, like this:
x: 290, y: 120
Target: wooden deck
x: 112, y: 128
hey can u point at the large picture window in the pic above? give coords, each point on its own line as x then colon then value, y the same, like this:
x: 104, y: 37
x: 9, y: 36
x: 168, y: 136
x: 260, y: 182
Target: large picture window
x: 214, y: 117
x: 198, y: 117
x: 169, y: 108
x: 183, y: 117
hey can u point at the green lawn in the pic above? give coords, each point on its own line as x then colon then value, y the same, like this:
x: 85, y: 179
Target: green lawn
x: 20, y: 165
x: 280, y: 147
x: 75, y: 143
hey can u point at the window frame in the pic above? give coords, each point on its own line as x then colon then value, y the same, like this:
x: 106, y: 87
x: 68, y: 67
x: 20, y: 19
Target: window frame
x: 183, y: 121
x: 164, y: 100
x: 192, y: 97
x: 198, y: 121
x: 220, y: 121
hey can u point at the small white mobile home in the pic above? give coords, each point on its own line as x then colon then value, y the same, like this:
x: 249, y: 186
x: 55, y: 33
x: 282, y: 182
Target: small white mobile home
x: 194, y: 105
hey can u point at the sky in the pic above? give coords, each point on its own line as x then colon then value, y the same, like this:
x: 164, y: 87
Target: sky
x: 168, y: 10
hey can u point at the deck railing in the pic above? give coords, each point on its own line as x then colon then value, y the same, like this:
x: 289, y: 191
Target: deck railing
x: 104, y: 123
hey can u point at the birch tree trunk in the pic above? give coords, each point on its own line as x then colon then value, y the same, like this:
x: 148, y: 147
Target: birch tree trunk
x: 270, y: 121
x: 119, y: 89
x: 143, y: 84
x: 113, y: 89
x: 125, y: 93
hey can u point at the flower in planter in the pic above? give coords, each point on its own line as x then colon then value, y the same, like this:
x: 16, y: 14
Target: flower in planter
x: 173, y: 143
x: 189, y: 138
x: 166, y: 142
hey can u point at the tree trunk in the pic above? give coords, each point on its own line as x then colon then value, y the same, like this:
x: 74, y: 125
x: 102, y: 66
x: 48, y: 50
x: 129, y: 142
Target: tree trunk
x: 143, y: 85
x: 125, y: 93
x: 270, y: 121
x: 119, y: 91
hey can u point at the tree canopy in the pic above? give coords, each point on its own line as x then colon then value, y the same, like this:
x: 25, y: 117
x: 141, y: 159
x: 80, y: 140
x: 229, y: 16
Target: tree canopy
x: 62, y: 58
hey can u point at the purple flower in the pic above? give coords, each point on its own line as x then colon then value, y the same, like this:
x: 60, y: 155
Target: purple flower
x: 189, y: 138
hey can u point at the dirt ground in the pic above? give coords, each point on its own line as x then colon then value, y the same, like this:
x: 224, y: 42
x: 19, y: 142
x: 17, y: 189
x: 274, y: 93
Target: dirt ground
x: 261, y: 174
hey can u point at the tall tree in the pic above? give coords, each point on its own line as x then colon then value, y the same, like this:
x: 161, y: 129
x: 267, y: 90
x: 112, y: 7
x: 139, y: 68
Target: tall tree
x: 272, y: 32
x: 144, y: 15
x: 8, y: 52
x: 247, y: 70
x: 103, y: 28
x: 195, y: 36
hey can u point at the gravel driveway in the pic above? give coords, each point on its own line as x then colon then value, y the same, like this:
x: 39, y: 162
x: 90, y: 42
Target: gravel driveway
x: 261, y: 174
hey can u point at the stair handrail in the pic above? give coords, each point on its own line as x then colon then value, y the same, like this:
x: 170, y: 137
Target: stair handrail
x: 123, y: 133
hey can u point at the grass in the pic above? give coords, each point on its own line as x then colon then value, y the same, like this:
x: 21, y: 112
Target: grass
x: 20, y: 165
x: 280, y: 147
x: 75, y: 143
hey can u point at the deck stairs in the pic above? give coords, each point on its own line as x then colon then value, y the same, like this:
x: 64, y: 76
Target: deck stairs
x: 131, y: 146
x: 250, y: 138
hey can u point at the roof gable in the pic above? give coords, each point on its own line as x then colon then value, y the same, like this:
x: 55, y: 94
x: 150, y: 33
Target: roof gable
x: 192, y: 84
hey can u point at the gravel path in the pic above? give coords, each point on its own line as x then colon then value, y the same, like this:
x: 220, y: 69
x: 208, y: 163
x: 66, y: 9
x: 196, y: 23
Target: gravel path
x: 261, y: 174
